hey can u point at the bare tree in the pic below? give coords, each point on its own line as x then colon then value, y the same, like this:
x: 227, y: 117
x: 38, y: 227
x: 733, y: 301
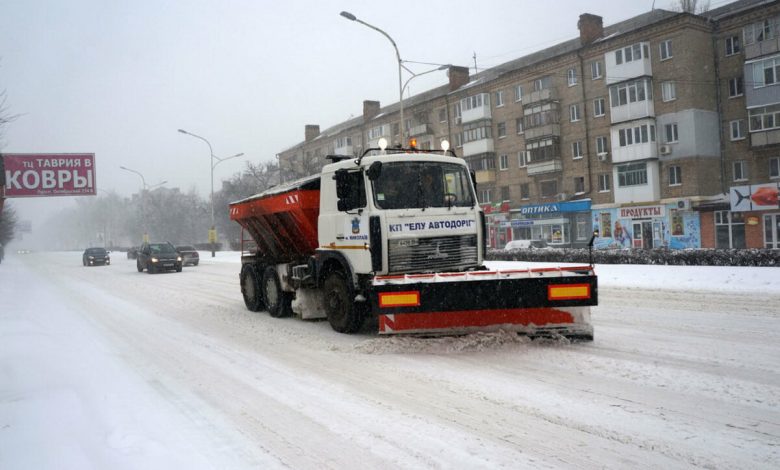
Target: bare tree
x: 693, y: 6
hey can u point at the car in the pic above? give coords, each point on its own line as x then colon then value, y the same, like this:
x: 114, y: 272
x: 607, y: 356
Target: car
x: 159, y: 256
x: 96, y: 256
x: 525, y: 245
x: 132, y: 252
x: 188, y: 254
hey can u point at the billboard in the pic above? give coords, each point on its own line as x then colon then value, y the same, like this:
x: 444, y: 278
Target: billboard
x: 754, y: 197
x: 49, y: 174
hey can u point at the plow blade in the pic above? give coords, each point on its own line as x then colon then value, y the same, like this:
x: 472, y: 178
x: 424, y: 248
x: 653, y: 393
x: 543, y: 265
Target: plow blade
x: 536, y: 302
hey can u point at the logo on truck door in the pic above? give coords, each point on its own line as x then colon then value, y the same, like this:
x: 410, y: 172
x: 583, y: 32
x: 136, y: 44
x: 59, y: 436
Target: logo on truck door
x: 356, y: 229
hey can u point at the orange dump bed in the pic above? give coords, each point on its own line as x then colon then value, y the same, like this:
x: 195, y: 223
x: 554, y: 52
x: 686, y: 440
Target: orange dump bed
x: 282, y: 220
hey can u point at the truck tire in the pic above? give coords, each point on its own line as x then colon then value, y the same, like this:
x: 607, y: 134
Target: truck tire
x: 138, y: 266
x: 277, y: 302
x: 250, y: 288
x: 343, y: 314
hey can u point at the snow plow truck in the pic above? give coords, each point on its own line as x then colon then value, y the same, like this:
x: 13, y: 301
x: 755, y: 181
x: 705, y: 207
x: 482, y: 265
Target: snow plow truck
x: 396, y: 237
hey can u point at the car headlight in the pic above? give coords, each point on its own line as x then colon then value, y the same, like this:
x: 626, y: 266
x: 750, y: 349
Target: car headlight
x: 154, y: 260
x: 178, y: 258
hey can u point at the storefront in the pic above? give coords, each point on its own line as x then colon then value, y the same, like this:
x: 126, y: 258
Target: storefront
x: 673, y: 226
x: 560, y: 224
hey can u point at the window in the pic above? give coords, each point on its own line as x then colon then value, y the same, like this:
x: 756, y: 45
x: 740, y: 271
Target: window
x: 501, y: 130
x: 729, y: 229
x: 518, y: 93
x: 740, y: 170
x: 459, y: 140
x: 631, y: 53
x: 774, y: 167
x: 456, y: 113
x: 540, y: 115
x: 377, y: 132
x: 504, y: 193
x: 574, y: 112
x: 543, y: 150
x: 473, y: 102
x: 484, y: 196
x: 605, y: 182
x: 670, y: 133
x: 503, y: 162
x: 732, y: 45
x: 344, y: 142
x: 737, y: 129
x: 499, y: 98
x: 519, y: 125
x: 479, y: 131
x: 542, y: 83
x: 525, y: 192
x: 522, y: 159
x: 761, y: 30
x: 675, y: 175
x: 736, y: 87
x: 598, y: 107
x: 595, y: 70
x: 636, y: 135
x: 576, y: 149
x: 668, y: 91
x: 762, y: 119
x: 579, y: 184
x: 665, y: 49
x: 443, y: 115
x: 766, y: 72
x: 632, y: 174
x: 630, y: 92
x: 549, y: 188
x: 571, y: 76
x: 601, y: 145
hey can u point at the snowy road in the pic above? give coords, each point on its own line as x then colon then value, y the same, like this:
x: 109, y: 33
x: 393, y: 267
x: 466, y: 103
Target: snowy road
x: 107, y: 368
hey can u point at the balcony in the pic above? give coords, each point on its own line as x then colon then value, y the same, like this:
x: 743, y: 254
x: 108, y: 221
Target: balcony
x: 631, y: 111
x: 343, y: 150
x: 637, y: 66
x: 475, y: 114
x: 546, y: 166
x: 485, y: 176
x: 635, y: 152
x: 764, y: 138
x: 477, y: 147
x: 538, y: 96
x: 762, y: 48
x: 420, y: 129
x: 543, y: 131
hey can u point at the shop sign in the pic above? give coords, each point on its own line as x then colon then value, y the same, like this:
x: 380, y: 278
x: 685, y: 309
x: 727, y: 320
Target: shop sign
x: 754, y: 197
x: 642, y: 212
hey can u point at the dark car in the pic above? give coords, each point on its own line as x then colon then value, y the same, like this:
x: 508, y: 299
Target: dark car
x: 188, y: 254
x: 156, y: 257
x: 96, y: 257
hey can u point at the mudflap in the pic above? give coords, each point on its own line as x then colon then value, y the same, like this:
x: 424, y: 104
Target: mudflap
x: 540, y: 302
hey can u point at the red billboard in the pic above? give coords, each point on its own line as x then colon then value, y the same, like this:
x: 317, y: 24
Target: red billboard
x: 49, y: 174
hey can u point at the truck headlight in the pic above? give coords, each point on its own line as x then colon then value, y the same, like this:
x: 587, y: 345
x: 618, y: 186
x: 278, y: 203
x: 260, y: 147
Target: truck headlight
x: 154, y: 260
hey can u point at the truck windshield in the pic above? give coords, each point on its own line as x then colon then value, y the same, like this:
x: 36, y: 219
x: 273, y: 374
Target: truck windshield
x: 417, y: 185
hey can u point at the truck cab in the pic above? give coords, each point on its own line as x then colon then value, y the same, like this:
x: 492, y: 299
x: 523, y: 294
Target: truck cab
x: 402, y: 212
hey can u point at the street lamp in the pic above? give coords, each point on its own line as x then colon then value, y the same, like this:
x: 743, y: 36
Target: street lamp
x: 213, y: 231
x: 415, y: 75
x: 145, y: 188
x: 352, y: 17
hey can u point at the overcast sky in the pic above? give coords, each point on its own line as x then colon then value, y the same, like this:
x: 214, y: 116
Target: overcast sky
x: 118, y: 79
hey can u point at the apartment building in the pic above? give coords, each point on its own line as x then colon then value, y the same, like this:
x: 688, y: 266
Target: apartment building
x: 661, y: 131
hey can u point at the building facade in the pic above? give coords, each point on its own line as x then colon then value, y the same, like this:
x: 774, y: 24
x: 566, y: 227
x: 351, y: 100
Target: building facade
x: 661, y: 131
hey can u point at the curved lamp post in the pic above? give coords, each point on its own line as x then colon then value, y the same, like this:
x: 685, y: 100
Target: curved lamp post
x: 352, y: 17
x: 144, y: 189
x: 212, y: 232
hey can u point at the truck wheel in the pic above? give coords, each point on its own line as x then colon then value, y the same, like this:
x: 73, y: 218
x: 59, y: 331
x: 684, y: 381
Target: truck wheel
x: 250, y: 288
x: 138, y: 266
x: 277, y: 302
x: 343, y: 314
